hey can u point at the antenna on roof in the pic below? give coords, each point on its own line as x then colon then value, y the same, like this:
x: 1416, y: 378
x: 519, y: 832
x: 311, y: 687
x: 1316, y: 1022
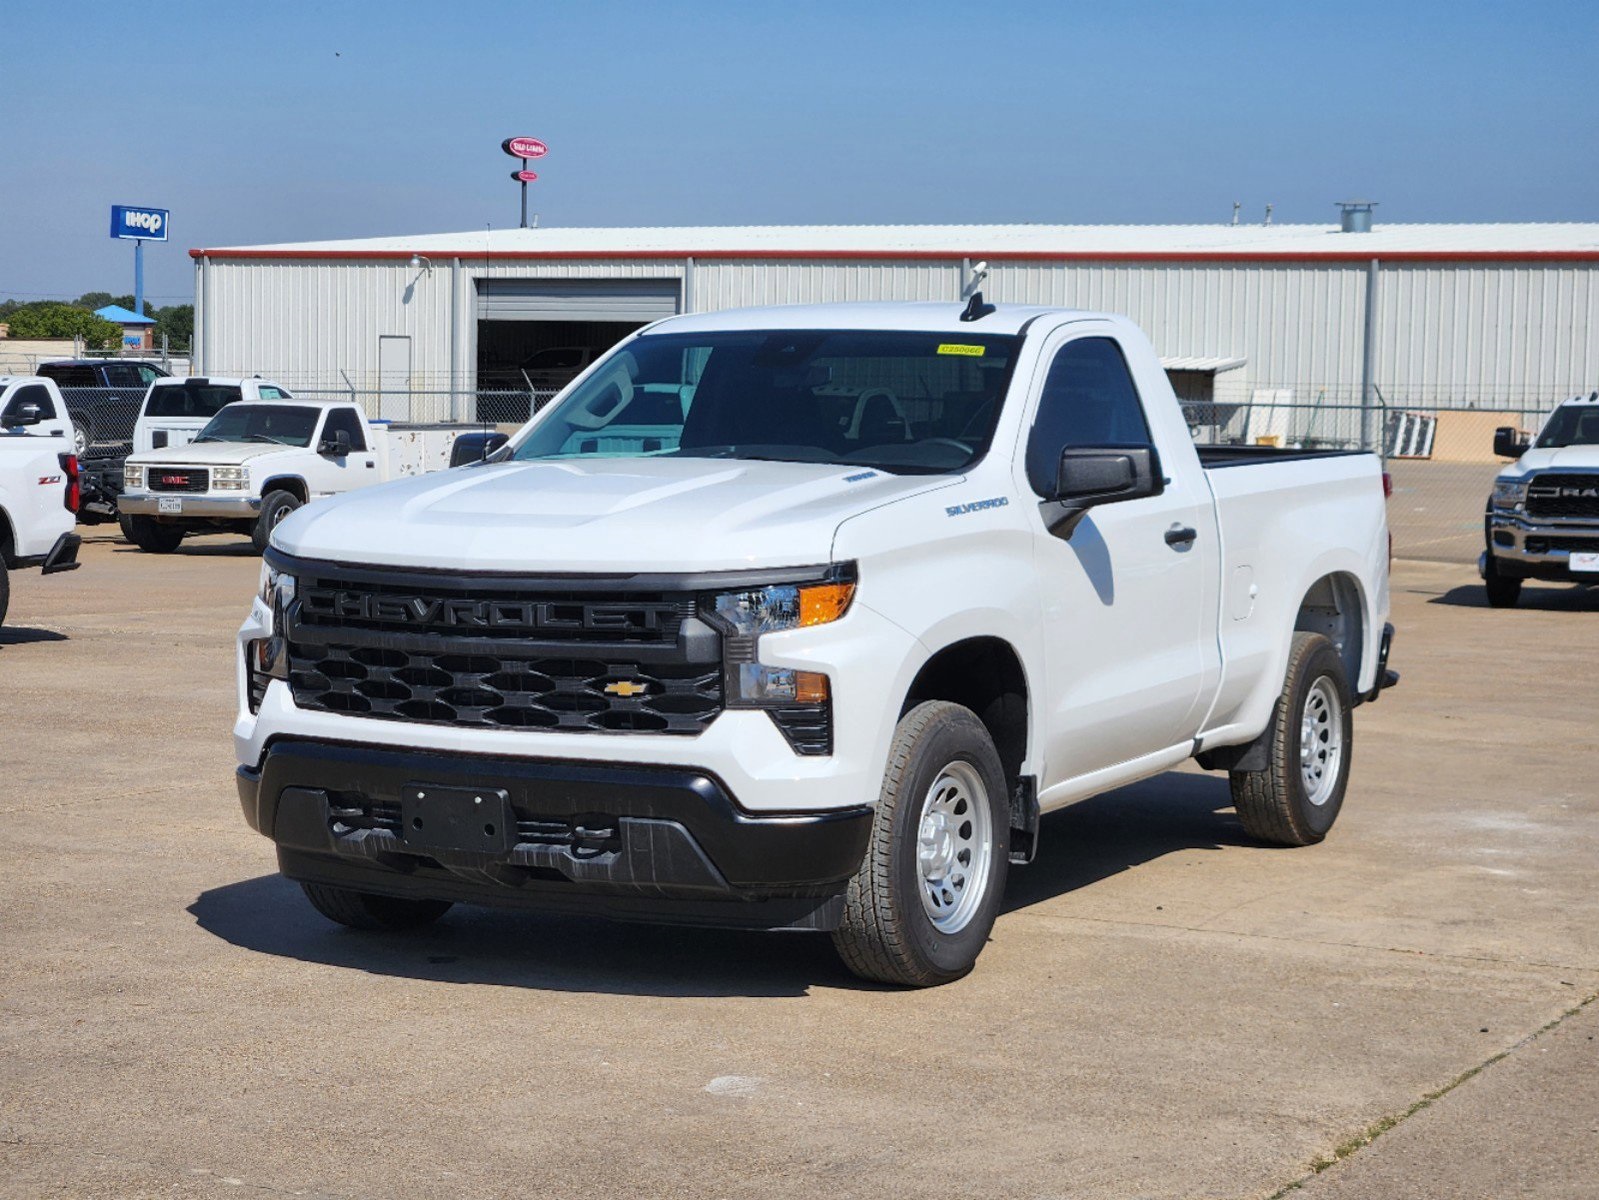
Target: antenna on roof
x: 976, y: 309
x: 1237, y: 204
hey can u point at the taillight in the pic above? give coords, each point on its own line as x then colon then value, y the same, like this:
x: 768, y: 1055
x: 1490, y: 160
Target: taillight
x: 1387, y: 485
x: 74, y: 496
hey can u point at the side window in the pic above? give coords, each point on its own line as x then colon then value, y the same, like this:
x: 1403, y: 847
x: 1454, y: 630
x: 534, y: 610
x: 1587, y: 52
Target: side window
x: 271, y: 393
x: 147, y: 375
x: 34, y: 394
x: 1089, y: 400
x: 345, y: 419
x: 121, y: 375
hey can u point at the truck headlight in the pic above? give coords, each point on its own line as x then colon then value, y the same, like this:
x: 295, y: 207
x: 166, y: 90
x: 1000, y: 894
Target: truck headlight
x: 276, y: 590
x: 132, y: 478
x: 230, y: 479
x: 1510, y: 493
x: 744, y: 616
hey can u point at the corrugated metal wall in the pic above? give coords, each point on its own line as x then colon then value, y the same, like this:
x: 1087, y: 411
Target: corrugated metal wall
x: 1473, y: 333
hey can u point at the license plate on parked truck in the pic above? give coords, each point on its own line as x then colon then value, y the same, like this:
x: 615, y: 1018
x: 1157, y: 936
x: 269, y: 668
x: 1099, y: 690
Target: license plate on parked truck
x: 169, y: 505
x: 1585, y: 562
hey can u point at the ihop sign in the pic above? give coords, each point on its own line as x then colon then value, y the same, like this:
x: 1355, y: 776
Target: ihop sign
x: 143, y: 224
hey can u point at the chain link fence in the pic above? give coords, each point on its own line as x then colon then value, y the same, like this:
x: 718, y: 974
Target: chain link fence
x: 1439, y: 453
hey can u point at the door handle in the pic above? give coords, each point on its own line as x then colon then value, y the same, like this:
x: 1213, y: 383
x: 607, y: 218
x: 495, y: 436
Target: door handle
x: 1181, y: 535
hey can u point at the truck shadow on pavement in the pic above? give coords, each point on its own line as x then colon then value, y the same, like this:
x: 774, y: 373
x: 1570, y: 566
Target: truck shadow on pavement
x: 1081, y: 845
x: 22, y: 635
x: 1555, y: 598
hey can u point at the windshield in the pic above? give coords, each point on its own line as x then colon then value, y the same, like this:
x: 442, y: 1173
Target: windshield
x: 189, y: 399
x: 1571, y: 425
x: 906, y: 403
x: 282, y: 424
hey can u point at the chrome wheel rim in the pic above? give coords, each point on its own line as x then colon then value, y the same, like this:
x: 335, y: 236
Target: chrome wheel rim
x: 1321, y: 741
x: 283, y: 510
x: 954, y: 846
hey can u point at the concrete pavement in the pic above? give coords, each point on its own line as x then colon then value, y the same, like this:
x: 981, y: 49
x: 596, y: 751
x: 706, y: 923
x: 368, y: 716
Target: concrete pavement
x: 1165, y: 1011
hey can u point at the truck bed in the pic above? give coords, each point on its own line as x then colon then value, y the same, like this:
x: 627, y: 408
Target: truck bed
x: 1214, y: 458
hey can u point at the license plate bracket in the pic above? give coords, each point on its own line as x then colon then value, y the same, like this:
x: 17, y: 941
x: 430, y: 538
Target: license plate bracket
x: 169, y: 505
x: 445, y: 817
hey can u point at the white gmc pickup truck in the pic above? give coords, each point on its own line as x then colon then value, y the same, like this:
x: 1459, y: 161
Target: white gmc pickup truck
x: 256, y: 461
x: 799, y: 618
x: 39, y: 487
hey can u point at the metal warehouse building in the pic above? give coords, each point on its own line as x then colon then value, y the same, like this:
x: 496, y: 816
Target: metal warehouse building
x: 1278, y: 331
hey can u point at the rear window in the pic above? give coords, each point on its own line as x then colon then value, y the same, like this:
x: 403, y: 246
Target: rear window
x: 70, y: 374
x: 189, y: 399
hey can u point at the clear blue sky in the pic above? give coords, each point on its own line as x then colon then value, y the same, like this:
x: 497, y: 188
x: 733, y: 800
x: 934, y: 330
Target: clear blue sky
x: 288, y: 121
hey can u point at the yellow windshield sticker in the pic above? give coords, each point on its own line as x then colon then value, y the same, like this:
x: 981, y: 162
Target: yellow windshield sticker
x: 963, y: 351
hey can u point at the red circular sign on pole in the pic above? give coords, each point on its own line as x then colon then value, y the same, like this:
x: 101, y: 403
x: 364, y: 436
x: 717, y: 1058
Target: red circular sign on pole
x: 524, y: 147
x: 524, y: 176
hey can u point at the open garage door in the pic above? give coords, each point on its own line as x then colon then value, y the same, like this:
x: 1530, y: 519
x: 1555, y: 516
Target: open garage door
x: 538, y: 334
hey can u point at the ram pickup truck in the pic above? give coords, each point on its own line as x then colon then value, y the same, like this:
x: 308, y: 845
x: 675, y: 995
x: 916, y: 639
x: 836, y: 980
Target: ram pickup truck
x: 1543, y: 516
x: 38, y: 492
x: 255, y: 462
x: 799, y: 618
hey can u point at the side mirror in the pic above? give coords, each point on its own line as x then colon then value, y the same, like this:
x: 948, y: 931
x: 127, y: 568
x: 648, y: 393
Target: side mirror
x: 1508, y: 443
x: 336, y: 444
x: 24, y: 414
x: 1093, y: 475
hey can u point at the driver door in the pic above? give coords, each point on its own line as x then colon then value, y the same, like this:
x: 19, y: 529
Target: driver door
x: 330, y: 474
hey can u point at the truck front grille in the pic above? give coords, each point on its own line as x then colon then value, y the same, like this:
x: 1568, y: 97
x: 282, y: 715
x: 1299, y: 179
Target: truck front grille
x: 179, y: 479
x: 491, y: 690
x: 1571, y: 545
x: 1563, y: 495
x: 502, y: 653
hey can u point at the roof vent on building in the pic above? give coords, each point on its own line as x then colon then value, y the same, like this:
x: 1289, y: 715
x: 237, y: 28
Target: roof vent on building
x: 1355, y: 215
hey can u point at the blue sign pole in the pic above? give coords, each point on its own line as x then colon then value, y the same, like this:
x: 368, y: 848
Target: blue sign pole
x: 138, y: 276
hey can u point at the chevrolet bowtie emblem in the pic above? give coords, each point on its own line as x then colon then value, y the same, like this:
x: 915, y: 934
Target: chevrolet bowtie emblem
x: 626, y: 688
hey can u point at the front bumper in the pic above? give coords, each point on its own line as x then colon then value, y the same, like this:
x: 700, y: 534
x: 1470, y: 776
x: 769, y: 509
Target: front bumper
x: 1528, y: 548
x: 627, y: 841
x: 237, y: 508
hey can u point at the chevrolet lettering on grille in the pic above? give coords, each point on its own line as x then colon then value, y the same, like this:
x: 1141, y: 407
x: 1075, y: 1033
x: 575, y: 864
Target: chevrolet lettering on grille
x: 449, y: 613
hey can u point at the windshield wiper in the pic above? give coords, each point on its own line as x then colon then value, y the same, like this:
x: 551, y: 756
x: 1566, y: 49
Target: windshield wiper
x: 264, y: 437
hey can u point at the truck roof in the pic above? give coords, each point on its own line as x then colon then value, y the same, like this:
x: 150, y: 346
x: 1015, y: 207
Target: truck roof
x: 223, y: 380
x: 923, y: 316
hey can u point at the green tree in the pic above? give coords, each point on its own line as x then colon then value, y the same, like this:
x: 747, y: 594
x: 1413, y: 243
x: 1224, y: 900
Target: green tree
x: 50, y: 319
x: 177, y: 322
x: 93, y: 300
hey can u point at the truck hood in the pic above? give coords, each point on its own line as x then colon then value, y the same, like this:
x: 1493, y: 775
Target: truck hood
x: 600, y: 515
x: 210, y: 454
x: 1570, y: 457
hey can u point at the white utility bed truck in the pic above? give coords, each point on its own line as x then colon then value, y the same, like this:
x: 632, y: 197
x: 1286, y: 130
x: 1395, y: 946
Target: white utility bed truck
x: 1543, y: 516
x: 799, y: 618
x: 39, y: 489
x: 255, y: 462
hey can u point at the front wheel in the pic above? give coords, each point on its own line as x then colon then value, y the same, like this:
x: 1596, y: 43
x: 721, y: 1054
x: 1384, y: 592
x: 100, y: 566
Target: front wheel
x: 5, y: 590
x: 1503, y: 590
x: 1295, y: 799
x: 364, y: 910
x: 149, y: 534
x: 82, y: 437
x: 275, y: 506
x: 921, y: 905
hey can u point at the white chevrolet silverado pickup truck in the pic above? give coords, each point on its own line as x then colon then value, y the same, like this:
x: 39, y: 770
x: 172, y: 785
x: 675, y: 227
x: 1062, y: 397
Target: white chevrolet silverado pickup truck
x: 255, y: 462
x: 799, y: 618
x: 1543, y: 516
x: 39, y: 488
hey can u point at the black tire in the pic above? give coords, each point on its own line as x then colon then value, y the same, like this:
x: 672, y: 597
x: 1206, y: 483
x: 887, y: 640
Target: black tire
x: 275, y: 505
x: 1503, y: 590
x: 149, y: 534
x: 5, y: 588
x: 363, y: 910
x: 886, y: 933
x: 1273, y: 804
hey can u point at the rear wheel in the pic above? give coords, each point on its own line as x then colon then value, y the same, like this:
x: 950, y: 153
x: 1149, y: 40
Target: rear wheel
x: 5, y: 589
x: 921, y: 905
x: 1503, y: 590
x: 149, y: 534
x: 82, y: 436
x: 275, y: 506
x: 363, y: 910
x: 1296, y: 798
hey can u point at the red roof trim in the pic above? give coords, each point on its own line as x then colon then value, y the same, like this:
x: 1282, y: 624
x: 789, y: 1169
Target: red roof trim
x: 1087, y: 256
